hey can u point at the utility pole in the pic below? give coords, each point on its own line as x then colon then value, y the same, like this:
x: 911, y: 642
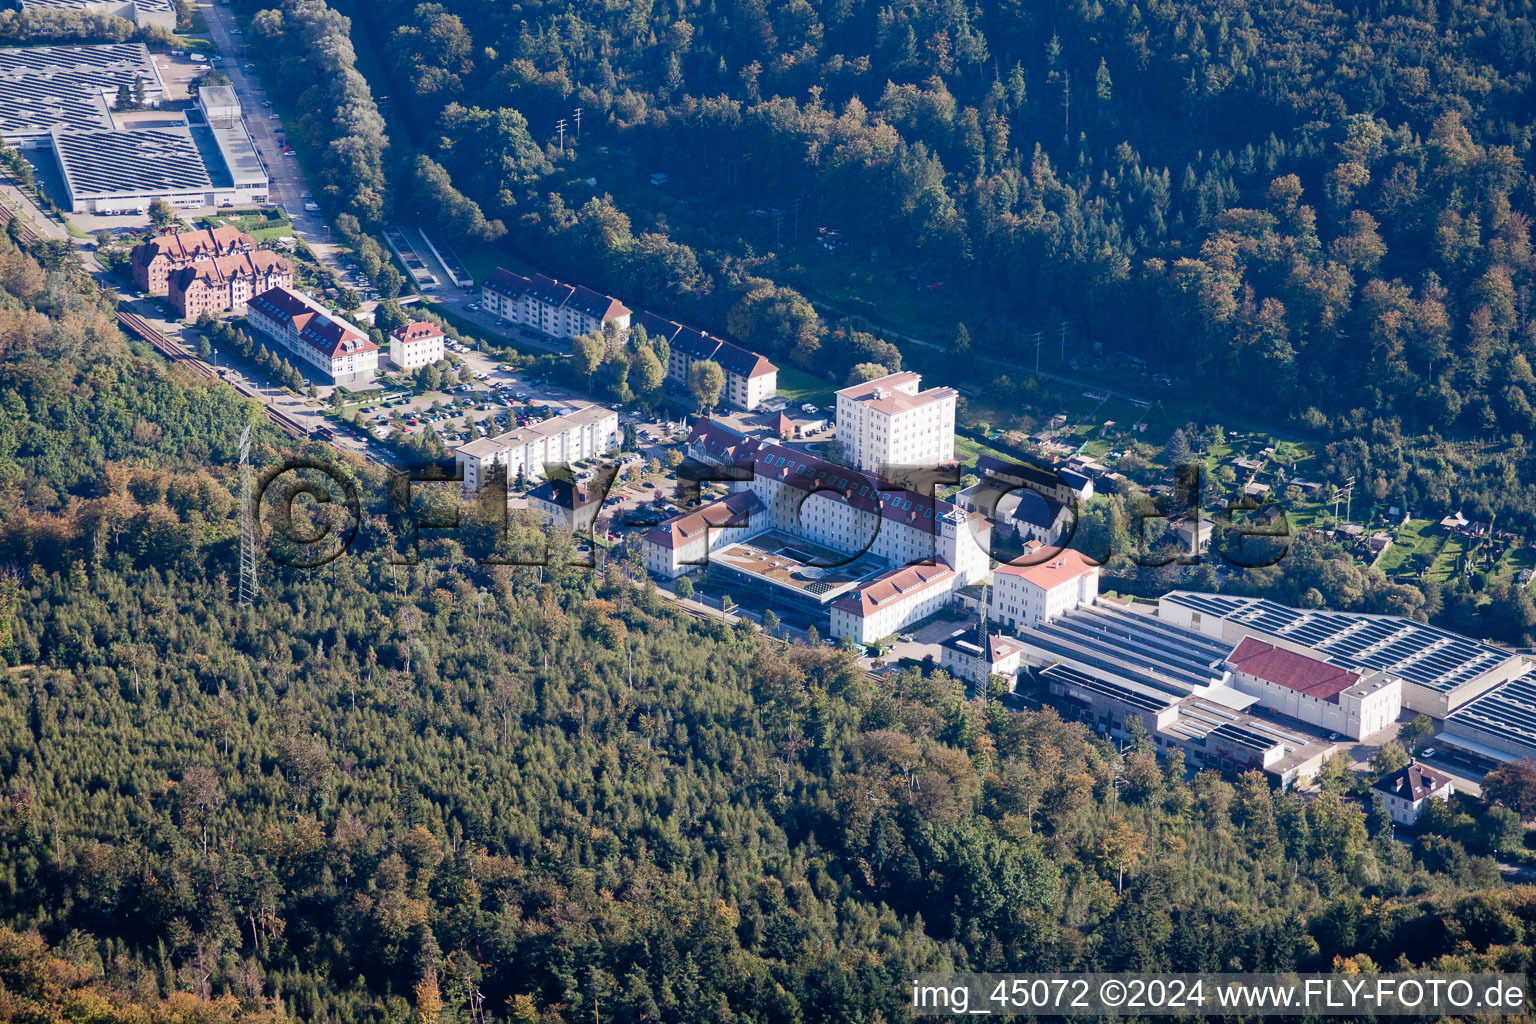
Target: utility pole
x: 250, y: 585
x: 1063, y: 342
x: 560, y: 126
x: 1066, y: 106
x: 795, y: 206
x: 1038, y: 336
x: 577, y: 115
x: 778, y: 222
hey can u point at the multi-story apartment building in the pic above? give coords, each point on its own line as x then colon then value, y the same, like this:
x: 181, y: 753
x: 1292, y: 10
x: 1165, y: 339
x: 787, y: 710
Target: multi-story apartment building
x: 586, y: 431
x: 153, y: 261
x: 750, y: 379
x: 301, y: 327
x: 419, y: 343
x: 1027, y: 595
x: 549, y: 306
x: 226, y: 282
x: 890, y: 422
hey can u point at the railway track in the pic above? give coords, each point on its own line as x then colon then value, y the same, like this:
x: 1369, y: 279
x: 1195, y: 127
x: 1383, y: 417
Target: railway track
x: 174, y: 352
x: 24, y: 228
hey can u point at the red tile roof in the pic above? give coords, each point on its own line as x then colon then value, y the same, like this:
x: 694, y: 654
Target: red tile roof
x: 733, y: 511
x: 1065, y: 565
x: 220, y: 269
x: 315, y: 327
x: 416, y: 331
x: 1311, y: 676
x: 193, y: 245
x: 889, y: 588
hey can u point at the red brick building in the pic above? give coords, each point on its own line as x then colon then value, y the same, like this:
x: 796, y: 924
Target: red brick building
x: 154, y: 260
x: 226, y: 282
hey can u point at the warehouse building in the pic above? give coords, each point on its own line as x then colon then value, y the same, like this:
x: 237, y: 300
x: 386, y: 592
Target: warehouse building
x: 123, y: 172
x: 1498, y: 726
x: 1344, y: 701
x: 1113, y: 670
x: 144, y: 13
x: 71, y: 88
x: 1440, y: 670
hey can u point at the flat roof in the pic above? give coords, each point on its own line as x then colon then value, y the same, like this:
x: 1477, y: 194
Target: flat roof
x: 86, y: 5
x: 42, y: 87
x: 790, y: 563
x: 1424, y: 655
x: 138, y: 162
x: 1152, y: 651
x: 217, y: 96
x: 227, y: 150
x: 1508, y: 711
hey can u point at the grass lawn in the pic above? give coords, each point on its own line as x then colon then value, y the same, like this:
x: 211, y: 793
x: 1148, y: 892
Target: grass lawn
x: 967, y: 450
x: 1515, y: 559
x: 1418, y: 535
x: 800, y: 387
x: 1445, y: 565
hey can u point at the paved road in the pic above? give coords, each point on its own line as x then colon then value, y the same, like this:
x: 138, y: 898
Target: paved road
x: 288, y: 186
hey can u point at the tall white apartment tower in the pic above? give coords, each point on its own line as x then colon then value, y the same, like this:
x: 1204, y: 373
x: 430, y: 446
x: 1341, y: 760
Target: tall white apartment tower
x: 892, y: 422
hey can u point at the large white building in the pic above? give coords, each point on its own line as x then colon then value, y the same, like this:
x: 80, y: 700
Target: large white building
x: 891, y: 422
x: 750, y: 379
x: 585, y: 432
x: 144, y: 13
x: 683, y: 543
x: 849, y: 511
x: 892, y: 601
x: 415, y: 344
x: 1351, y: 703
x: 302, y: 327
x: 876, y: 557
x: 73, y: 88
x: 1440, y: 671
x: 1027, y: 595
x: 549, y: 306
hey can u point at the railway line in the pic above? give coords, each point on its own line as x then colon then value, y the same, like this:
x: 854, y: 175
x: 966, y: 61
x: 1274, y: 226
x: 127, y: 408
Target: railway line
x: 24, y: 228
x: 175, y: 353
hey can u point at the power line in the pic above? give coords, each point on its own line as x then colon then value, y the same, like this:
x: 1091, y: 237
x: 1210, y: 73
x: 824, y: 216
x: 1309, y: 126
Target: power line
x: 250, y: 584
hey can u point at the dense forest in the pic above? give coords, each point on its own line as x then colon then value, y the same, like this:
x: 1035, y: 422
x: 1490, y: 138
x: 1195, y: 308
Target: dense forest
x: 1332, y: 198
x: 449, y: 792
